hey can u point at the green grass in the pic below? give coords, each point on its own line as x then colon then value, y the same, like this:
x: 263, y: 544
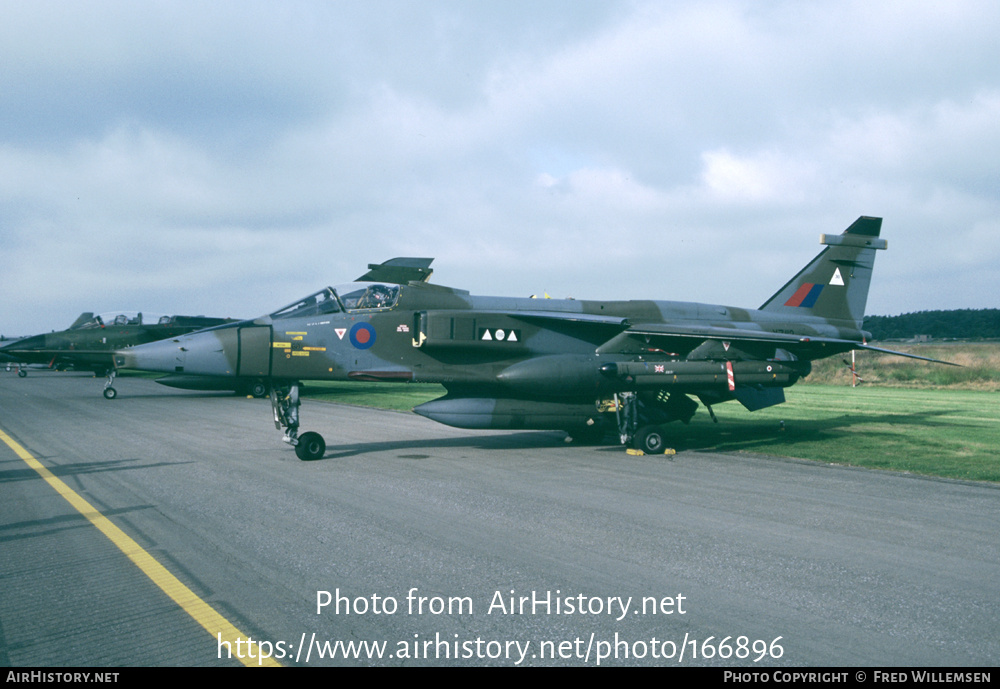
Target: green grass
x: 947, y: 433
x: 935, y: 432
x: 400, y: 396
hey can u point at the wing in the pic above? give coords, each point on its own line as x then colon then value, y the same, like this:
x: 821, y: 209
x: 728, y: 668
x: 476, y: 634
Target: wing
x: 697, y: 341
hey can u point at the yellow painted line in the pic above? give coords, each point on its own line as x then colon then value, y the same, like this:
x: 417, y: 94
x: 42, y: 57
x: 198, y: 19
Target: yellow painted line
x: 221, y: 629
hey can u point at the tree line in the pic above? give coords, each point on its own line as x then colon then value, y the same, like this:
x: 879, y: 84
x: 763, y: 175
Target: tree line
x: 963, y: 324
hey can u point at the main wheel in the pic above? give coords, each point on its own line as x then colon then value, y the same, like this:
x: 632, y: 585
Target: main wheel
x: 110, y: 393
x: 650, y: 440
x: 258, y: 389
x: 21, y: 373
x: 311, y: 446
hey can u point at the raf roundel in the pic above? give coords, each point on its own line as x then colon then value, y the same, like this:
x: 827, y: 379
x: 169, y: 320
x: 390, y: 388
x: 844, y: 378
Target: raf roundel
x: 362, y: 335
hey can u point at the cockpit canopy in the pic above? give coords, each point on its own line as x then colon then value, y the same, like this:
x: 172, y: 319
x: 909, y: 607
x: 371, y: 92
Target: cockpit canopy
x: 354, y: 296
x: 374, y: 295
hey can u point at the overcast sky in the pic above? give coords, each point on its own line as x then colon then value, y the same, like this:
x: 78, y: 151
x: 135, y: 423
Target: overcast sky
x: 226, y: 158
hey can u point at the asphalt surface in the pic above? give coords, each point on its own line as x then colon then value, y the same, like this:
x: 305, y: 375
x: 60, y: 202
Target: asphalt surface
x: 737, y: 558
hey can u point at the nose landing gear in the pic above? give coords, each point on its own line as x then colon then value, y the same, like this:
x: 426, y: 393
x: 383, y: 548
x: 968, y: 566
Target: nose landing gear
x: 109, y: 392
x: 285, y: 405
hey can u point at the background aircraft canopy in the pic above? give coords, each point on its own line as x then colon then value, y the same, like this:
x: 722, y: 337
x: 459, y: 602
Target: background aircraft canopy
x: 121, y: 318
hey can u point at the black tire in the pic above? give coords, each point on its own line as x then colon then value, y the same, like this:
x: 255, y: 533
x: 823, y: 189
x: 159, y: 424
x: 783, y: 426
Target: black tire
x: 311, y: 446
x: 650, y: 440
x: 258, y: 389
x: 110, y: 393
x: 21, y: 373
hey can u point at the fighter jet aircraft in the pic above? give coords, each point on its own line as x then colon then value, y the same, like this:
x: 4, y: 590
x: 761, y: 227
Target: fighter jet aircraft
x: 586, y: 367
x: 12, y: 363
x: 89, y: 343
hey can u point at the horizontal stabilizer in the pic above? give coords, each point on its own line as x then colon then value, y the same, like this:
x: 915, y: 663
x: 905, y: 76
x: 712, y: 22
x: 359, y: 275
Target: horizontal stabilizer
x: 908, y: 356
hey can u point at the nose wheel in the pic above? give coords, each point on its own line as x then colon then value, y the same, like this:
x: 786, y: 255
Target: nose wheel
x: 109, y: 392
x: 285, y: 405
x: 310, y: 446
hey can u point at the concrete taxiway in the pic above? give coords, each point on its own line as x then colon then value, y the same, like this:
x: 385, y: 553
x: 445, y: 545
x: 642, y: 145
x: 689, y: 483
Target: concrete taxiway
x: 445, y: 546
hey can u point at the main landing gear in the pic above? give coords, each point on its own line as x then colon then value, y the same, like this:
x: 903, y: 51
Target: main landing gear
x: 634, y: 430
x: 641, y: 418
x: 285, y: 405
x: 21, y: 371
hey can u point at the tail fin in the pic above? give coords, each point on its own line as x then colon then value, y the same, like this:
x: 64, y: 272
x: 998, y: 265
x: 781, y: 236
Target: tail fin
x: 835, y: 284
x: 84, y: 317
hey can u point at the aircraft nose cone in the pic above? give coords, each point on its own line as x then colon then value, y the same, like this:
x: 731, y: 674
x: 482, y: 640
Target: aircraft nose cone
x: 206, y: 353
x: 165, y: 356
